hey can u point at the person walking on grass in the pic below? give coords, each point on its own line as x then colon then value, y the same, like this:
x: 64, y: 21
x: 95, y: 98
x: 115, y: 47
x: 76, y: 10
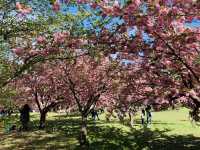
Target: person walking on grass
x: 94, y: 114
x: 149, y: 114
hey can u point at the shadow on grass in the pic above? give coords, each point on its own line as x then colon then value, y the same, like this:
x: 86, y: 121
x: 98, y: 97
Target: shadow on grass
x: 113, y: 138
x: 62, y: 133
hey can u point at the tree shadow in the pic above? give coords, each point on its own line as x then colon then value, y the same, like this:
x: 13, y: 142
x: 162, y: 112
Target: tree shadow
x: 108, y: 138
x: 62, y: 133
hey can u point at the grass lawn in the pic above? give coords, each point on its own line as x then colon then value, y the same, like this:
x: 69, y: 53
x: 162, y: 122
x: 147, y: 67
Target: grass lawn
x: 171, y: 130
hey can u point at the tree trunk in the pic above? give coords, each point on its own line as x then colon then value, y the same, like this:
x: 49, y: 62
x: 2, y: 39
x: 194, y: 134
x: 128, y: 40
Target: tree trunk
x: 83, y: 132
x: 42, y: 119
x: 131, y: 119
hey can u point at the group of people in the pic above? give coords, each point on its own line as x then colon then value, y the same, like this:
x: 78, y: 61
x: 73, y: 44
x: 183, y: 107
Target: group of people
x: 24, y: 116
x: 2, y: 112
x: 146, y: 113
x: 5, y: 112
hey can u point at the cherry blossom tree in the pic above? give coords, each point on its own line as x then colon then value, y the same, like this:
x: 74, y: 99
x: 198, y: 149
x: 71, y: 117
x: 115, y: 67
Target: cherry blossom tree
x: 42, y: 89
x: 155, y: 29
x: 172, y: 46
x: 88, y: 81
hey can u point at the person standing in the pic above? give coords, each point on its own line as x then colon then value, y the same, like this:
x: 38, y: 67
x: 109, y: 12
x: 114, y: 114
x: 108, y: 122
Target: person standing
x: 25, y: 116
x: 94, y: 114
x: 142, y: 116
x: 149, y: 114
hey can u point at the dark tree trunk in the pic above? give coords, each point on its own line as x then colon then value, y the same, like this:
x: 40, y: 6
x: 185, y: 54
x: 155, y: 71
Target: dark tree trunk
x: 42, y: 119
x: 83, y: 133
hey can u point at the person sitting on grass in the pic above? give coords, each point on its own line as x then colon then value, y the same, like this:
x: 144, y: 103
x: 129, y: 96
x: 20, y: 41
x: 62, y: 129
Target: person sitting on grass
x: 12, y: 128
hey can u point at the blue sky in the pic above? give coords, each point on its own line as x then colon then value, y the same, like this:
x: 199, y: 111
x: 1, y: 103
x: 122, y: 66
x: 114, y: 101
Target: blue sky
x: 195, y: 24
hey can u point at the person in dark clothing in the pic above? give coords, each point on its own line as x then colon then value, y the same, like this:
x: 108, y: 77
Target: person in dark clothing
x: 25, y: 116
x: 149, y: 115
x: 3, y: 113
x: 142, y: 116
x: 94, y: 114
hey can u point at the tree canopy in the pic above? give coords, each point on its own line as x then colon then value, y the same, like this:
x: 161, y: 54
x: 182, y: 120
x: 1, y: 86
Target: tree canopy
x: 100, y: 53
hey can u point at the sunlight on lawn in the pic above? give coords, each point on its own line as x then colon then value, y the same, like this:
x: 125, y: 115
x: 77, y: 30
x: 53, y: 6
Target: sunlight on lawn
x: 169, y: 128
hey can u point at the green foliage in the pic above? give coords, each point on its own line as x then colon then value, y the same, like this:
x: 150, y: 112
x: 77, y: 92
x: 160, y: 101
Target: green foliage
x: 5, y: 65
x: 6, y: 98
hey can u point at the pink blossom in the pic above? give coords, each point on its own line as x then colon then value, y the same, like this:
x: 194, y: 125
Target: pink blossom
x: 81, y: 1
x: 193, y: 45
x: 28, y: 89
x: 148, y: 89
x: 190, y: 18
x: 182, y: 19
x: 198, y: 36
x: 105, y: 1
x: 27, y: 10
x: 66, y: 33
x: 93, y: 5
x: 60, y: 37
x: 116, y: 4
x: 175, y: 10
x: 157, y: 6
x: 178, y: 26
x: 52, y: 49
x: 137, y: 2
x: 82, y: 42
x: 18, y: 51
x: 18, y: 5
x: 41, y: 40
x: 21, y: 8
x: 108, y: 10
x: 164, y: 11
x: 33, y: 52
x: 150, y: 22
x: 56, y: 6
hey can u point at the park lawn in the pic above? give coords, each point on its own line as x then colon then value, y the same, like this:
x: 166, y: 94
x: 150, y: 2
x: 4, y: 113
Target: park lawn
x: 170, y: 130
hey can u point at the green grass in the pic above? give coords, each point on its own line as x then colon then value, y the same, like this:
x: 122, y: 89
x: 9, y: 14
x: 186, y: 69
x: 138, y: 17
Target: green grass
x: 171, y: 130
